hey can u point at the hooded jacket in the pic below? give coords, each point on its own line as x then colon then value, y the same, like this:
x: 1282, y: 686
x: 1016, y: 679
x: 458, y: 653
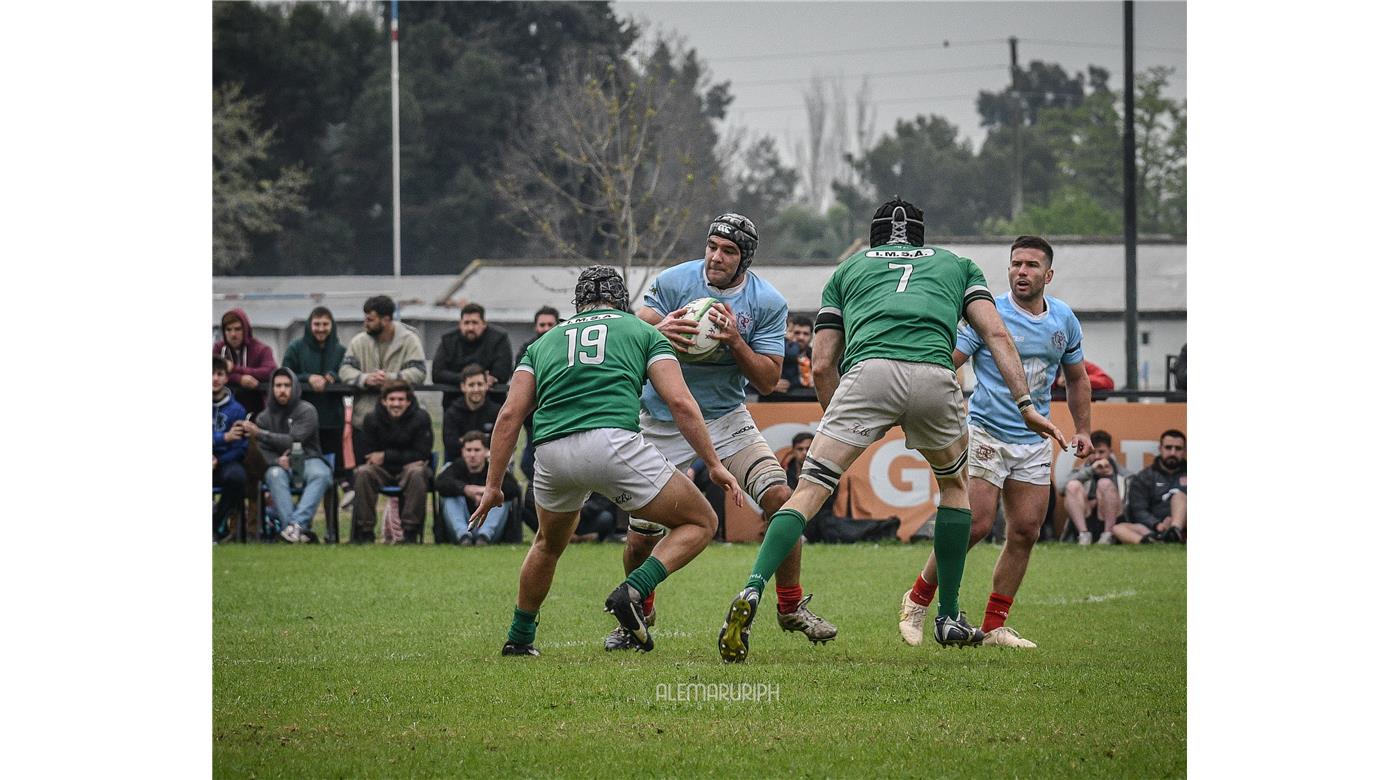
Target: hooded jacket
x: 402, y: 358
x: 402, y: 440
x: 306, y: 357
x: 253, y: 358
x: 228, y: 411
x: 284, y: 424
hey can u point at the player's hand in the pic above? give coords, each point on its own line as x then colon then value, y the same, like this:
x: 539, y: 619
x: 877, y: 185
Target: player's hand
x: 677, y: 328
x: 726, y: 329
x: 1042, y: 426
x: 721, y: 476
x: 491, y: 498
x: 782, y: 386
x: 1082, y: 445
x: 317, y: 382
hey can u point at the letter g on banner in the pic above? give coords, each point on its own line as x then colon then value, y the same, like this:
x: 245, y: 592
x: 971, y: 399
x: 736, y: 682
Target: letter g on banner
x: 915, y: 477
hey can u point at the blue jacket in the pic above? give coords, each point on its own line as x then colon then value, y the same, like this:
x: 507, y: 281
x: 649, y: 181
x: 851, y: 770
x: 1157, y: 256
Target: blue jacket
x: 228, y: 411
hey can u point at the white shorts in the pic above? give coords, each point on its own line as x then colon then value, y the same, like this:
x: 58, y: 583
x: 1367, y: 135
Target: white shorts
x: 739, y: 445
x: 924, y: 399
x: 997, y: 461
x: 618, y: 465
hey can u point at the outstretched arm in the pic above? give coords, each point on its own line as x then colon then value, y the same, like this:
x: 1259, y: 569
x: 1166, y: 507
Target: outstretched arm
x: 1079, y: 394
x: 520, y: 401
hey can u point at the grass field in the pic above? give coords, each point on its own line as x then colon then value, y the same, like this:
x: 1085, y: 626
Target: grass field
x: 384, y: 662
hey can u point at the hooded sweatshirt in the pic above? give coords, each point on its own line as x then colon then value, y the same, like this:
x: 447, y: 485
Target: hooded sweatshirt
x: 402, y: 440
x: 228, y: 411
x: 253, y: 358
x: 284, y: 424
x: 306, y: 357
x: 401, y: 358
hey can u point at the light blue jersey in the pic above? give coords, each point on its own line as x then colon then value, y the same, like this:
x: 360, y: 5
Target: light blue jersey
x: 717, y: 383
x: 1045, y: 342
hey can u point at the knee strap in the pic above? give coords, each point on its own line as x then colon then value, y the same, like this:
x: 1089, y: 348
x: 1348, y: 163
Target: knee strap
x: 952, y: 468
x: 822, y: 472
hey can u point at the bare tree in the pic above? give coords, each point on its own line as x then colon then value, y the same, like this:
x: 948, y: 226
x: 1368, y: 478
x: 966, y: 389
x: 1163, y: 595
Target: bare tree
x: 614, y: 162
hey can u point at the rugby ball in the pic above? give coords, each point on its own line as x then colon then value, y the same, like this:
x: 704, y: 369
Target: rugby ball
x: 704, y: 342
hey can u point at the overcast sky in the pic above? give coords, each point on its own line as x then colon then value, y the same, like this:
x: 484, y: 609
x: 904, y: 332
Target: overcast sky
x: 769, y: 51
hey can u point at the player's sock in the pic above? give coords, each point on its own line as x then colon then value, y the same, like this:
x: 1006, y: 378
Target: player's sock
x: 522, y: 627
x: 788, y: 597
x: 783, y: 532
x: 649, y: 604
x: 952, y: 528
x: 922, y: 592
x: 998, y: 607
x: 646, y: 577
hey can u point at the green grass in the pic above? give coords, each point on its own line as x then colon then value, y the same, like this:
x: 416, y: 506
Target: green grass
x: 384, y: 661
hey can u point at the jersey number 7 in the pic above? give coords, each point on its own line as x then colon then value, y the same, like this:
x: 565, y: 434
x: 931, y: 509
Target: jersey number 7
x: 904, y: 278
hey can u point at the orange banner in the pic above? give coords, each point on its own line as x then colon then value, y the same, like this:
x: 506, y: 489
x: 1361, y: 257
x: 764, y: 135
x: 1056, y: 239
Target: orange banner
x: 890, y: 480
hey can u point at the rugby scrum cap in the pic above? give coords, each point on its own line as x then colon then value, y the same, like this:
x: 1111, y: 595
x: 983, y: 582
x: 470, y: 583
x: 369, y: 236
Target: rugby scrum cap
x: 739, y: 229
x: 897, y: 222
x: 600, y: 283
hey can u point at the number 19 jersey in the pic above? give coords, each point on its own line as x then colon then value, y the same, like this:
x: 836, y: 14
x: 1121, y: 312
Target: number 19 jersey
x: 900, y: 302
x: 589, y: 372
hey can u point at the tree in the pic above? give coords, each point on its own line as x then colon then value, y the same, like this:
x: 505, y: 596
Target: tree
x: 763, y: 185
x: 615, y: 160
x: 925, y: 163
x: 244, y: 203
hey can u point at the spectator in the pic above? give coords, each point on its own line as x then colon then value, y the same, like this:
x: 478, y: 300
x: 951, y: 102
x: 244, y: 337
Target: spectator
x: 398, y: 439
x: 1099, y: 380
x: 797, y: 358
x: 461, y: 485
x: 1157, y: 496
x: 1097, y: 486
x: 386, y: 351
x: 546, y: 319
x: 1179, y: 370
x: 597, y: 521
x: 251, y: 362
x: 316, y: 359
x: 287, y: 422
x: 472, y: 342
x: 229, y: 448
x: 472, y: 411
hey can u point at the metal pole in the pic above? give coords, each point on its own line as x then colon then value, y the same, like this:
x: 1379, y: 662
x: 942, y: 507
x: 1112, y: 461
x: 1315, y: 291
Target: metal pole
x: 1016, y: 201
x: 1130, y: 311
x: 394, y: 98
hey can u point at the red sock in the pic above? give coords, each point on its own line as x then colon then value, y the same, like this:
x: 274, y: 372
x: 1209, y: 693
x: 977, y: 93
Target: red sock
x: 922, y: 592
x: 788, y: 597
x: 998, y: 607
x: 648, y: 606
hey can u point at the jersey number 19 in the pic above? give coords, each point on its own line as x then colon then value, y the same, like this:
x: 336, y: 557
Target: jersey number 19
x: 582, y: 339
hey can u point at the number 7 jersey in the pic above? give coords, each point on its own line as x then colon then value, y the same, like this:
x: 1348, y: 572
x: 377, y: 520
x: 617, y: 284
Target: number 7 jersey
x: 589, y: 372
x: 900, y: 302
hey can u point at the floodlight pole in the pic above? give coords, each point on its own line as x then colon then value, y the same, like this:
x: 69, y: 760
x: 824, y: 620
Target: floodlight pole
x: 394, y: 99
x: 1130, y: 305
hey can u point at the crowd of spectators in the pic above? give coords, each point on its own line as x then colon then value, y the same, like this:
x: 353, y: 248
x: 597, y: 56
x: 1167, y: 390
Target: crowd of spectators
x: 354, y: 405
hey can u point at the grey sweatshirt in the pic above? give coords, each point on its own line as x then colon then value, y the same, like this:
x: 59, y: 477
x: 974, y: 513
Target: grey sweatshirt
x: 282, y: 425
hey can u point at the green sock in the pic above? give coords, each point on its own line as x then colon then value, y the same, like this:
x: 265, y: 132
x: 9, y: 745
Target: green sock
x: 783, y: 532
x: 522, y: 627
x: 952, y: 528
x: 646, y: 577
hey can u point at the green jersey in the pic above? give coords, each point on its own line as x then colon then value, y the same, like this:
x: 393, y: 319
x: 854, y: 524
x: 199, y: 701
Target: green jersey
x: 900, y: 302
x: 589, y: 372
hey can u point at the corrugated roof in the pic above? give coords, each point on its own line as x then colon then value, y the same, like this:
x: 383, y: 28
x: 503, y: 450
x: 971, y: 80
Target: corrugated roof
x: 1089, y: 277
